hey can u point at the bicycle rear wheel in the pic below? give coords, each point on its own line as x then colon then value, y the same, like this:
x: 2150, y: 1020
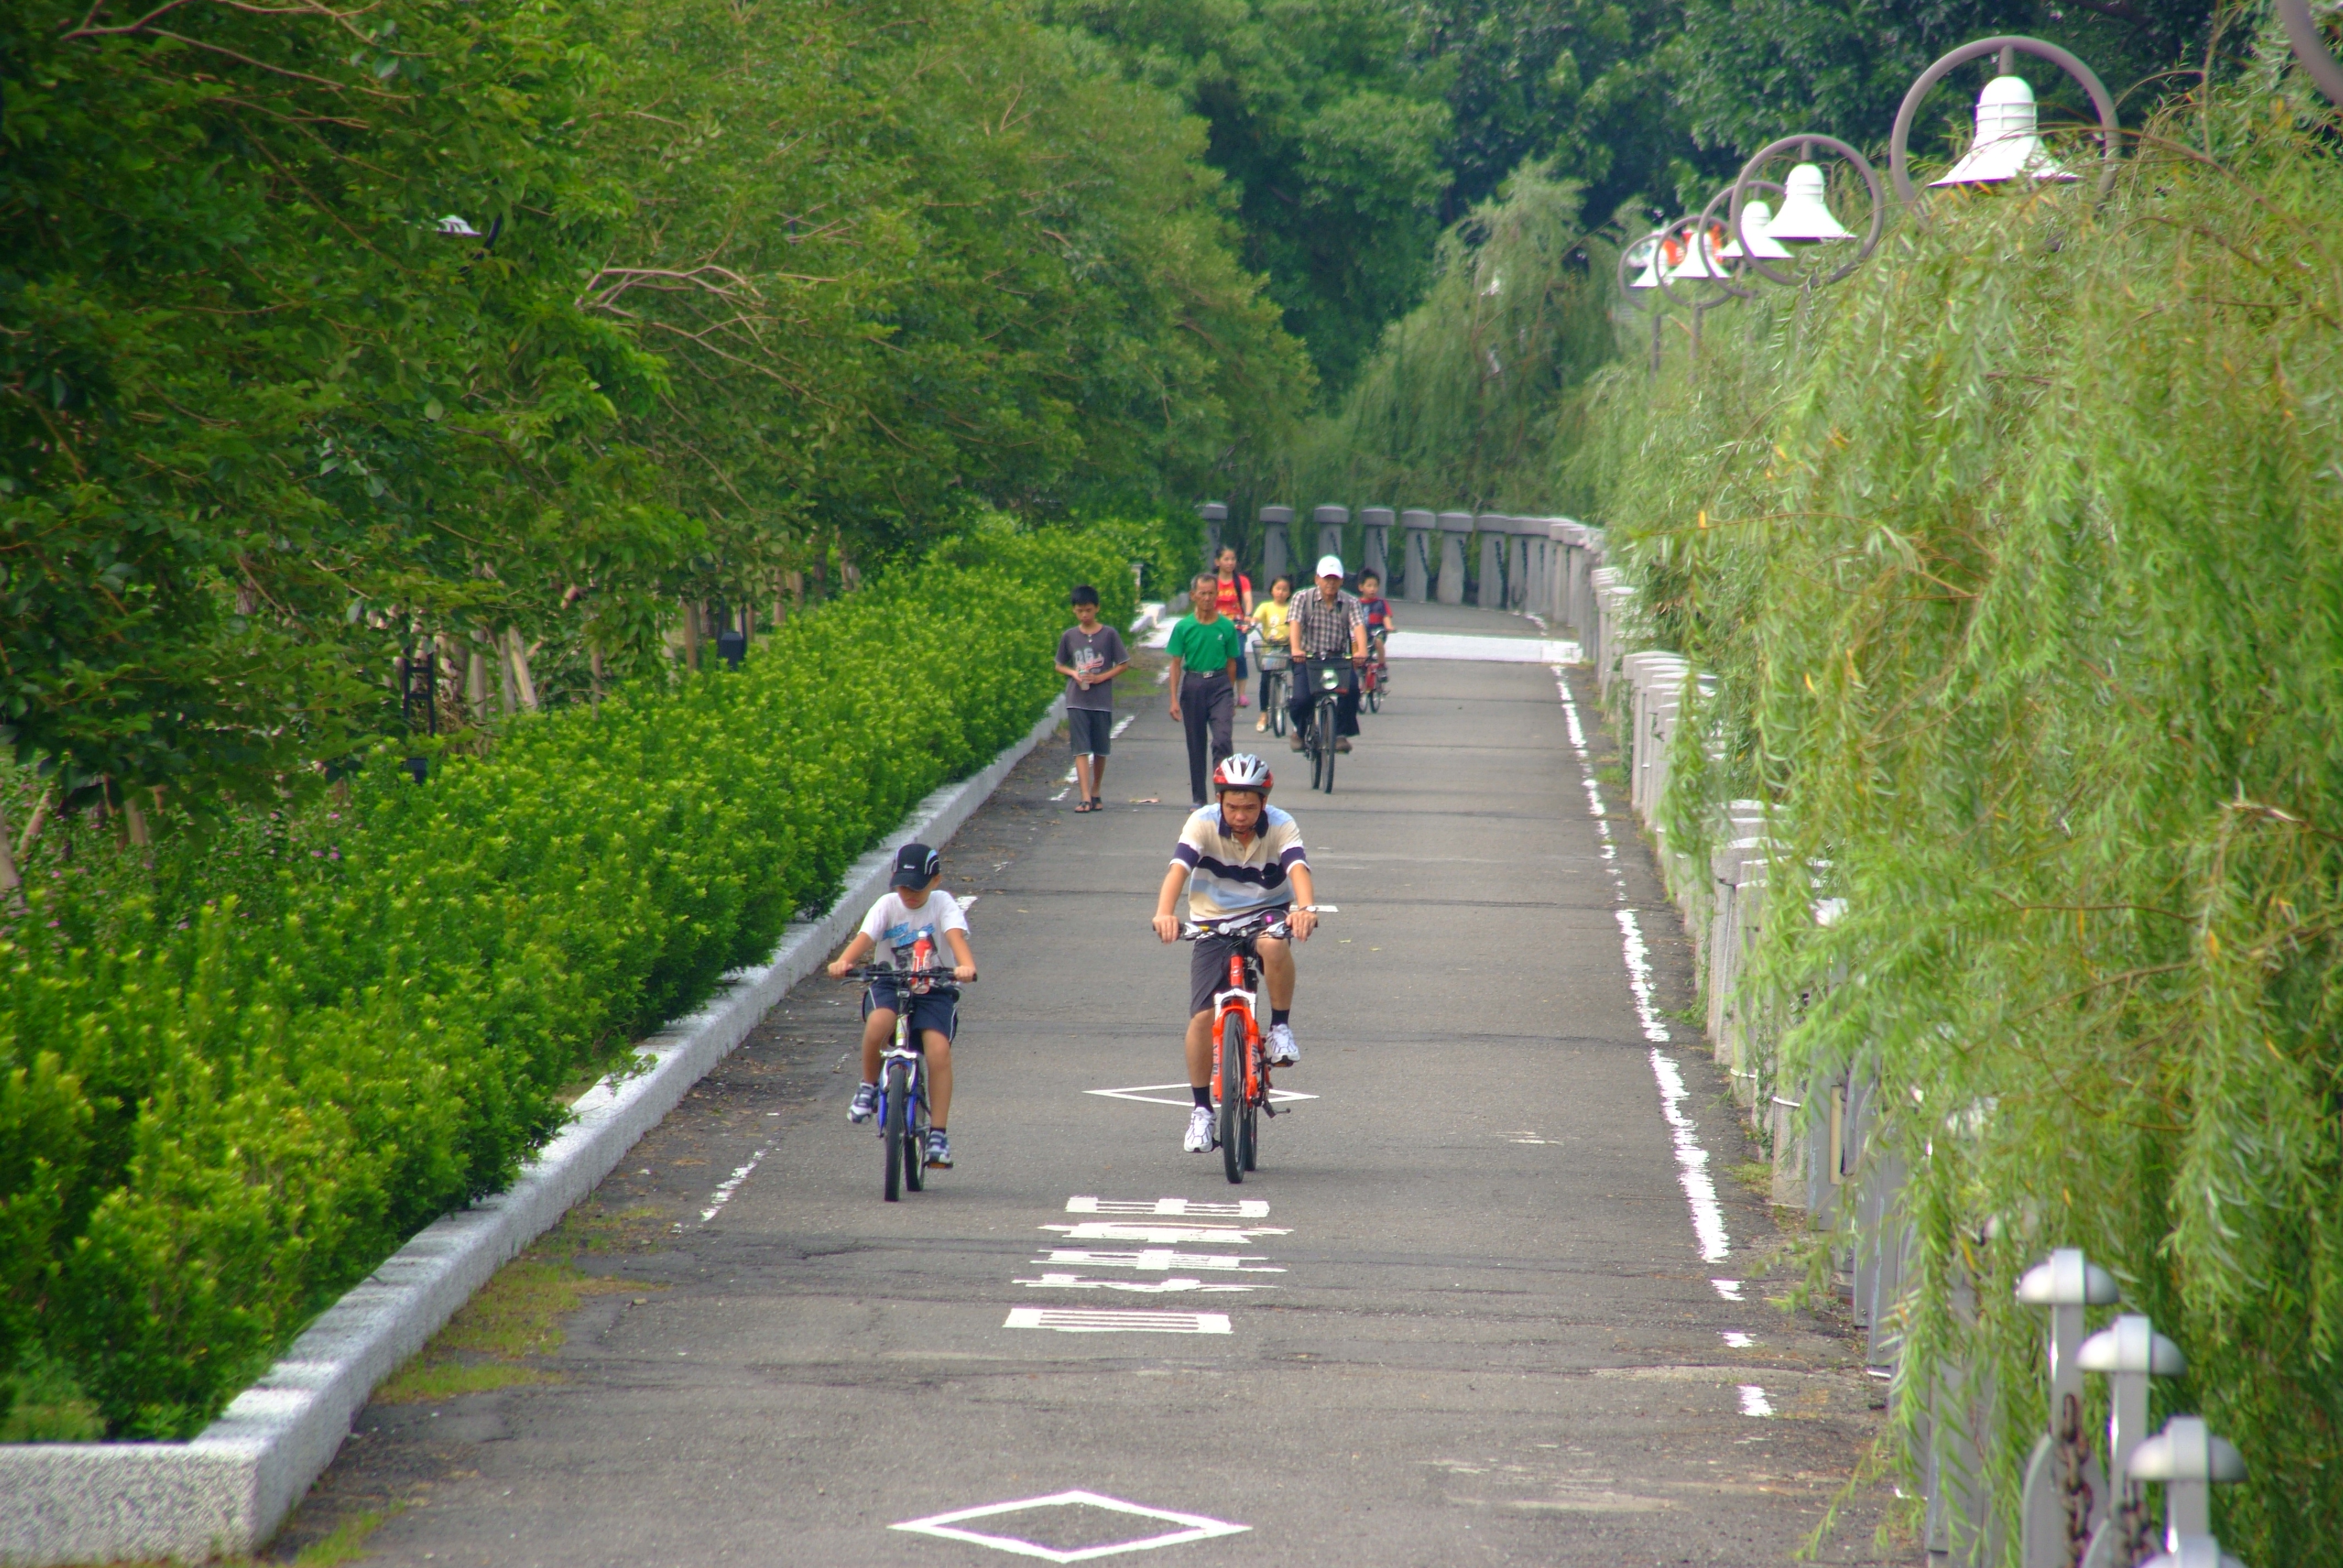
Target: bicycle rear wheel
x: 896, y: 1112
x: 1233, y: 1094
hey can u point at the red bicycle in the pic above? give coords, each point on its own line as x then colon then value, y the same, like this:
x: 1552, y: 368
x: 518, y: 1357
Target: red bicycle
x: 1240, y: 1065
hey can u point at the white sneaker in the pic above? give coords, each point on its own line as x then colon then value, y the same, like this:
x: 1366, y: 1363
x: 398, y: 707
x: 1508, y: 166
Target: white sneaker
x: 1282, y: 1050
x: 1200, y: 1139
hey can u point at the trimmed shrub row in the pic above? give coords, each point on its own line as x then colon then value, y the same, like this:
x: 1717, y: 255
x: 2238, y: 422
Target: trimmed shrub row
x: 216, y: 1118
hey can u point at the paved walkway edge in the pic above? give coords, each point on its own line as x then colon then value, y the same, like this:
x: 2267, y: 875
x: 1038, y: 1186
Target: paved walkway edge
x: 226, y: 1490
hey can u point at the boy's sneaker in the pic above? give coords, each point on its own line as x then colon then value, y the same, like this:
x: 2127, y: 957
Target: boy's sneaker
x: 1282, y: 1050
x: 866, y: 1103
x: 1200, y: 1139
x: 939, y: 1150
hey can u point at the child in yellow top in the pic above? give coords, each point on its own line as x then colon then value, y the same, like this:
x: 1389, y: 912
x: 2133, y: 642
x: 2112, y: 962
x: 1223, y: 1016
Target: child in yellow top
x: 1269, y: 619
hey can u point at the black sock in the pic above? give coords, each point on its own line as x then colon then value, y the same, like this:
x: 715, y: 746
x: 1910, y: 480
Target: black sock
x: 1203, y: 1096
x: 1278, y: 1015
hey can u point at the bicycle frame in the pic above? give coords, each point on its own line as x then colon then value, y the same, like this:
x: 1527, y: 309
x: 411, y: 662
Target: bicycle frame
x: 1239, y: 999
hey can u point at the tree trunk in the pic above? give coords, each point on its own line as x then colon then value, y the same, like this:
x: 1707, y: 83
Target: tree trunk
x: 504, y: 676
x: 690, y: 634
x: 32, y: 829
x: 521, y: 677
x: 476, y: 684
x: 594, y: 661
x: 10, y: 882
x: 137, y: 818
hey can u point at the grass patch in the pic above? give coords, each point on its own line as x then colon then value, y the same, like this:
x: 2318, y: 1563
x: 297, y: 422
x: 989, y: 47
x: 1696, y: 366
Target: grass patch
x: 1753, y: 1174
x: 501, y: 1337
x: 43, y: 1404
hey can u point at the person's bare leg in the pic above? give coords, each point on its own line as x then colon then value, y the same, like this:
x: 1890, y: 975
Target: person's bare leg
x: 1098, y: 776
x: 1085, y: 769
x: 939, y: 1050
x: 878, y: 1034
x: 1277, y: 969
x: 1200, y: 1051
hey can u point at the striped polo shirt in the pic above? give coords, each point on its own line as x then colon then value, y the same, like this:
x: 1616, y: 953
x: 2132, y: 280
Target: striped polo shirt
x: 1227, y: 879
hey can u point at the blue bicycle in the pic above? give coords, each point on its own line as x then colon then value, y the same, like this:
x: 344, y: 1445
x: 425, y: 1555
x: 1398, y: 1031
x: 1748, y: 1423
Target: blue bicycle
x: 903, y: 1082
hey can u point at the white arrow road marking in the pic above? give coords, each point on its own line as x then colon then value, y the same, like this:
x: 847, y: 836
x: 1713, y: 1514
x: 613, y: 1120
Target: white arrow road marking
x: 1154, y: 1094
x: 1140, y: 1287
x: 1242, y: 1209
x: 1116, y: 1320
x: 1192, y: 1527
x: 1165, y: 1259
x: 1164, y: 1235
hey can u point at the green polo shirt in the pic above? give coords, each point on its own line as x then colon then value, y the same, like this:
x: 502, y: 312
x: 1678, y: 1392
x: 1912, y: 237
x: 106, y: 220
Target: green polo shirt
x: 1205, y: 648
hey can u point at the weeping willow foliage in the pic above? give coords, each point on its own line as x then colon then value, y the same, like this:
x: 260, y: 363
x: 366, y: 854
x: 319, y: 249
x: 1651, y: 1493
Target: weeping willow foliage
x: 2019, y: 560
x: 1456, y: 406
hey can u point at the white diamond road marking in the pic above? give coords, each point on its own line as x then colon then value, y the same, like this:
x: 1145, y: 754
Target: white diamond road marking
x: 1177, y: 1207
x: 1192, y: 1527
x: 1140, y: 1287
x: 1116, y: 1320
x: 1164, y: 1235
x: 1155, y: 1260
x: 1158, y: 1094
x: 1754, y: 1401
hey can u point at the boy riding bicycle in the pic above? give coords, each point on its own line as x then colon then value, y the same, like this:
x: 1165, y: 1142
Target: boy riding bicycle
x: 916, y: 911
x: 1236, y: 860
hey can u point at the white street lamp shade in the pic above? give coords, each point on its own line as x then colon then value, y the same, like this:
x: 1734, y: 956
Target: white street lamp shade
x: 1700, y: 260
x: 1805, y: 217
x: 1756, y: 219
x: 2008, y: 144
x: 458, y: 228
x: 1650, y: 277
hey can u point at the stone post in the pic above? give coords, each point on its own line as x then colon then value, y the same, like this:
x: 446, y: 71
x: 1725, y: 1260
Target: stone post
x: 1415, y: 555
x: 1216, y: 517
x: 1489, y: 592
x: 1331, y: 521
x: 1276, y: 550
x: 1375, y: 544
x: 1454, y: 528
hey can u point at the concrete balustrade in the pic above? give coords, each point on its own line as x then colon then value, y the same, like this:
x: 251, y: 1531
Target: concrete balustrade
x: 1374, y: 546
x: 1416, y: 528
x: 1489, y: 589
x: 1455, y: 528
x: 1276, y: 542
x: 1331, y: 521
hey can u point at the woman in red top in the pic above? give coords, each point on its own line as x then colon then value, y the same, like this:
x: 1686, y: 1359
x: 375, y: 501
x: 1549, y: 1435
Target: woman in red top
x: 1236, y: 603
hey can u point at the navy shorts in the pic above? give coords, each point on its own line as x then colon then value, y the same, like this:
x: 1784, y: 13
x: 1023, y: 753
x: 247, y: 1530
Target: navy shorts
x: 1092, y: 730
x: 1208, y: 971
x: 936, y: 1009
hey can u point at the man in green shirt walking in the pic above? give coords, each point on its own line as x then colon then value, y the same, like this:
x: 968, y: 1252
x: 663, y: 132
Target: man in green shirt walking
x: 1204, y: 648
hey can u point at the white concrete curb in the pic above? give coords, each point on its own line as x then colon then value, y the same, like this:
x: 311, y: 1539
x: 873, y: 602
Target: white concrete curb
x: 227, y: 1488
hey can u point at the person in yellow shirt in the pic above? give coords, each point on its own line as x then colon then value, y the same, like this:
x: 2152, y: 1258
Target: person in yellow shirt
x: 1269, y: 619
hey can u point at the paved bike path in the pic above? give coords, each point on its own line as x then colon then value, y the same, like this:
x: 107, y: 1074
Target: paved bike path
x: 1489, y: 1334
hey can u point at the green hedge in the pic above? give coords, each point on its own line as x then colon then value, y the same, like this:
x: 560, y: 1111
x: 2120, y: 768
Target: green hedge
x: 2018, y: 561
x: 217, y: 1113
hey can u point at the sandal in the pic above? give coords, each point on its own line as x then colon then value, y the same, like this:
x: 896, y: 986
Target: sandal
x: 1085, y: 805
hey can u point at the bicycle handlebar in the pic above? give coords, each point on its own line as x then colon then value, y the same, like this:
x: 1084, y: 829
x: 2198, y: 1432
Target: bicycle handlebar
x: 868, y: 973
x: 1252, y: 925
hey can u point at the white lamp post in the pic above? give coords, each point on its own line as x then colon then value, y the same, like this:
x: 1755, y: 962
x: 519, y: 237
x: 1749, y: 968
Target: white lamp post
x: 2310, y: 47
x: 2008, y: 142
x: 1805, y: 217
x: 1806, y: 221
x: 2009, y: 145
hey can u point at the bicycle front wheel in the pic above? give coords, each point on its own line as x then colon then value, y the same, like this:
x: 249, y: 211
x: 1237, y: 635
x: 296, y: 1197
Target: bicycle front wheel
x: 1233, y: 1094
x: 1327, y: 730
x: 1277, y: 706
x: 915, y: 1139
x: 897, y: 1111
x: 1375, y: 697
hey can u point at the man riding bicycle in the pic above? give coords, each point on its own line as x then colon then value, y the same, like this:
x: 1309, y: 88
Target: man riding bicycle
x: 1326, y: 628
x: 1236, y: 860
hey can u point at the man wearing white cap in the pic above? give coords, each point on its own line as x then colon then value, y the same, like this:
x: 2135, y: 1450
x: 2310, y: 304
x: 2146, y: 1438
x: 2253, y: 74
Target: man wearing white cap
x: 1326, y: 624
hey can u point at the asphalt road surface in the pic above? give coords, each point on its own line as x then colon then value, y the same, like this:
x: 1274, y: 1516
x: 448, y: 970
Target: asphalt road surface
x: 1467, y: 1319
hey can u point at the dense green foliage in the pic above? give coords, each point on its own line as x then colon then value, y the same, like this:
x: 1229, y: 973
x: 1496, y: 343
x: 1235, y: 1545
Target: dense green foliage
x: 2016, y: 561
x: 236, y: 1074
x: 757, y: 293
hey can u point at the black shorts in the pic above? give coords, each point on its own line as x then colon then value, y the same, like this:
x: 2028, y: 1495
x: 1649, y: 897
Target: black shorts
x: 1208, y: 971
x: 936, y: 1009
x: 1092, y: 730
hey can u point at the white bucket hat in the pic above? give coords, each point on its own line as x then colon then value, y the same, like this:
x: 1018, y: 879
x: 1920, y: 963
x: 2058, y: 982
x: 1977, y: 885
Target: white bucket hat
x: 1329, y: 566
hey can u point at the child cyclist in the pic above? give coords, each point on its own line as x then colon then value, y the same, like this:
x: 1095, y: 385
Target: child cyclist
x: 1269, y: 619
x: 1377, y: 610
x: 1236, y: 858
x: 915, y: 909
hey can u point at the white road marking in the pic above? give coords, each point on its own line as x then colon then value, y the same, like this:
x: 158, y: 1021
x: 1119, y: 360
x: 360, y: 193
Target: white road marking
x: 1242, y: 1209
x: 1116, y: 1320
x: 1153, y: 1094
x: 1164, y: 1235
x: 1120, y: 725
x: 1692, y: 1160
x: 1192, y: 1527
x: 1159, y: 1259
x: 723, y: 1194
x: 1729, y: 1289
x: 1737, y: 1339
x: 1140, y: 1287
x: 1754, y: 1401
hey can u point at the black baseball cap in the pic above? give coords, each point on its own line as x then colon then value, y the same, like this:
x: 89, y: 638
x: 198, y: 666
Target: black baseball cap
x: 916, y: 866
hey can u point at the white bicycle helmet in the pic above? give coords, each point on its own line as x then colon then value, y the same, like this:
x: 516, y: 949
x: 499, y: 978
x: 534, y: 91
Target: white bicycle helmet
x: 1244, y: 770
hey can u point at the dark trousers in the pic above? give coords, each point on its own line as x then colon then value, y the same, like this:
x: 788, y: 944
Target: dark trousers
x: 1347, y: 708
x: 1208, y: 708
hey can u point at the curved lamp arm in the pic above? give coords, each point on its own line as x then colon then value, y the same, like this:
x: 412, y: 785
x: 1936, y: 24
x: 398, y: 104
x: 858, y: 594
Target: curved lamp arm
x: 1627, y: 264
x: 1696, y: 227
x: 1899, y: 159
x: 1804, y: 146
x: 2310, y: 48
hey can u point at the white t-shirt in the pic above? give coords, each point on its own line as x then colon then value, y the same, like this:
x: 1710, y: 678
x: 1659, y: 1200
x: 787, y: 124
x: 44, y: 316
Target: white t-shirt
x: 894, y: 926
